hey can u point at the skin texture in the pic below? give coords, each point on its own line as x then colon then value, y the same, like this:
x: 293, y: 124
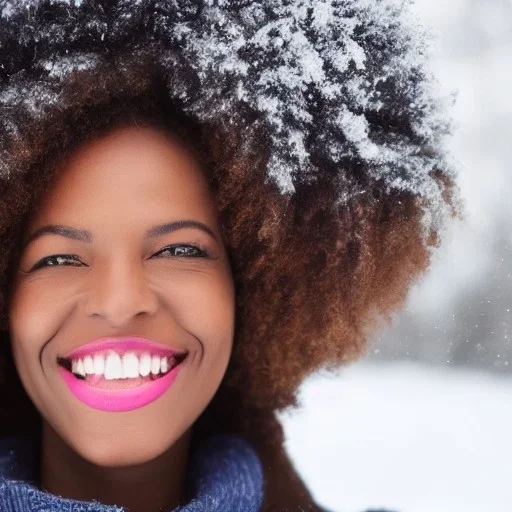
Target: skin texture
x: 118, y: 187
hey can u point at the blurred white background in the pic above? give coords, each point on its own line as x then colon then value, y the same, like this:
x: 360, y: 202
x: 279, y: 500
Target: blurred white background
x: 423, y: 423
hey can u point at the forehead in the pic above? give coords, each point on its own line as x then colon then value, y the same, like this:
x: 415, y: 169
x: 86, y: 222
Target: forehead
x: 130, y: 173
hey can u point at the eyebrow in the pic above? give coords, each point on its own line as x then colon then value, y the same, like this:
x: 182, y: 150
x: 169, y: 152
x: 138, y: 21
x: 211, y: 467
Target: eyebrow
x: 86, y: 236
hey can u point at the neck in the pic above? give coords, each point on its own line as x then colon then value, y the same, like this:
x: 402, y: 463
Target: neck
x: 65, y: 473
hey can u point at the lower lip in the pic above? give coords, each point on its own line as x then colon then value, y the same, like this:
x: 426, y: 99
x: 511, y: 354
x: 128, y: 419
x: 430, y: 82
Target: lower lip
x: 119, y: 400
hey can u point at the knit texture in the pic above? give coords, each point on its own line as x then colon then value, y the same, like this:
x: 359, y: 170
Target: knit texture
x: 225, y: 475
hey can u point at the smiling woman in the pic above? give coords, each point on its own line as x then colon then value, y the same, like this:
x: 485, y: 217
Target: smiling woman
x: 192, y: 225
x: 106, y: 272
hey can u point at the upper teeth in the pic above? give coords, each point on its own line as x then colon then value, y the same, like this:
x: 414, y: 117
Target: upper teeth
x: 115, y: 366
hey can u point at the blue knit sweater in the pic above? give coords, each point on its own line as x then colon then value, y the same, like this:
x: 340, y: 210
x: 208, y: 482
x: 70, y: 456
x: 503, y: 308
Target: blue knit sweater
x: 225, y: 475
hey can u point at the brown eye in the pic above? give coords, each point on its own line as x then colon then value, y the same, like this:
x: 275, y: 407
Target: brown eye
x: 179, y: 250
x: 57, y: 260
x: 187, y: 251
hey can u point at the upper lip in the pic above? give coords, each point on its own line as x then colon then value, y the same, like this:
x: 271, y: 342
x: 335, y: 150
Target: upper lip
x: 121, y: 345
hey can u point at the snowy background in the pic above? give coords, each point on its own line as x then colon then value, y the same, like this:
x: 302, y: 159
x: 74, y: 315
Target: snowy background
x: 423, y: 423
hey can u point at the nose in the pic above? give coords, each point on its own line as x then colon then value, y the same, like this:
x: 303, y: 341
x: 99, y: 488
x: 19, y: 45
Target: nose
x: 118, y: 291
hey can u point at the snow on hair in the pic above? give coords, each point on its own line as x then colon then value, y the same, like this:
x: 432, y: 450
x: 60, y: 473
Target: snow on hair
x: 316, y: 75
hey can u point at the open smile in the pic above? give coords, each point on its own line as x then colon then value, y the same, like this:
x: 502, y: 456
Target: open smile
x: 108, y: 381
x: 122, y: 395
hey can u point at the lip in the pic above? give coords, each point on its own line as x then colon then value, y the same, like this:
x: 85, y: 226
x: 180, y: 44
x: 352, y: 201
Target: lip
x: 122, y: 345
x: 119, y: 400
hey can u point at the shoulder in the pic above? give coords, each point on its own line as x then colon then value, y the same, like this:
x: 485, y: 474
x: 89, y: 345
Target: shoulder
x: 285, y: 491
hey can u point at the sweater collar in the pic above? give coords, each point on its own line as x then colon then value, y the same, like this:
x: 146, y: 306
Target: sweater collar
x: 225, y: 474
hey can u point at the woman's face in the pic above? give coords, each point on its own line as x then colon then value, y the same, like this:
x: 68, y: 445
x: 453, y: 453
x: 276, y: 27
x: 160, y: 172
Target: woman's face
x: 117, y: 279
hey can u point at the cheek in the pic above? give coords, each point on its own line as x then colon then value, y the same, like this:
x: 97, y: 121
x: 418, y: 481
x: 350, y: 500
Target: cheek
x: 205, y: 306
x: 208, y: 305
x: 34, y: 312
x: 30, y: 325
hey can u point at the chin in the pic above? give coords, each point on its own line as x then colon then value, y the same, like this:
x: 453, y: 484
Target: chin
x: 109, y: 454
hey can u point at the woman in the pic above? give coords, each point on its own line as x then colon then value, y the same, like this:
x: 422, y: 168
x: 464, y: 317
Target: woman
x: 236, y: 195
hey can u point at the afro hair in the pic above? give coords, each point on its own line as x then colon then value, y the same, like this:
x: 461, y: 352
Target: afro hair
x: 322, y: 134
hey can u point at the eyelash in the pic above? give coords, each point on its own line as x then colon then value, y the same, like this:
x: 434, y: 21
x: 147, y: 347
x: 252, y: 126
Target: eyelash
x: 200, y: 253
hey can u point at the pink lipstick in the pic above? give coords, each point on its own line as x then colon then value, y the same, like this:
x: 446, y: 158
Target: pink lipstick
x: 120, y: 374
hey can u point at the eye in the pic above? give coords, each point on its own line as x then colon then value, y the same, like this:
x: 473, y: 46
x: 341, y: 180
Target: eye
x: 180, y: 250
x: 187, y: 251
x: 57, y: 260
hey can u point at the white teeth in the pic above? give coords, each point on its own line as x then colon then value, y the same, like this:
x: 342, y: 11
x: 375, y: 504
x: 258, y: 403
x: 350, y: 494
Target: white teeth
x: 80, y: 368
x: 130, y: 365
x: 99, y: 364
x: 145, y: 365
x: 88, y: 365
x: 155, y: 365
x: 113, y: 368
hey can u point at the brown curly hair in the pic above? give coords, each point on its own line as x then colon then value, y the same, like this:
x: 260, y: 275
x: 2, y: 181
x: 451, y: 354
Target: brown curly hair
x: 314, y: 277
